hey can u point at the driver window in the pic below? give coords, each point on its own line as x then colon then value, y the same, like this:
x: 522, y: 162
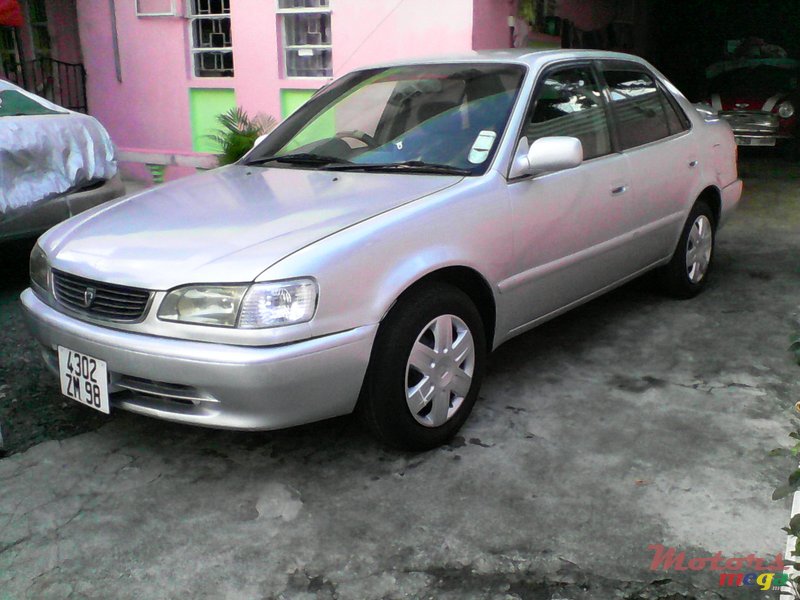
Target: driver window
x: 569, y: 103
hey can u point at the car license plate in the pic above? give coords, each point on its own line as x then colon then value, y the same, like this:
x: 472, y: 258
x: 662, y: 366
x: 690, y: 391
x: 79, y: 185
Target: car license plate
x: 743, y: 141
x: 83, y: 378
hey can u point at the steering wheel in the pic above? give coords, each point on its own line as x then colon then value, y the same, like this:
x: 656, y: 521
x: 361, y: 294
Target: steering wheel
x: 358, y: 135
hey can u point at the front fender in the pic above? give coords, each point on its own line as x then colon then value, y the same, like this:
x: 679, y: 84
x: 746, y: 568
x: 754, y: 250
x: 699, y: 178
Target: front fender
x: 362, y: 270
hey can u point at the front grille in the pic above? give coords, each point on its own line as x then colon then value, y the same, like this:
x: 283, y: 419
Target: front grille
x: 100, y: 300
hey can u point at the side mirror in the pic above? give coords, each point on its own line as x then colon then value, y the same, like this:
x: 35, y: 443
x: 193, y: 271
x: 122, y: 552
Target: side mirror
x: 546, y: 155
x: 259, y: 139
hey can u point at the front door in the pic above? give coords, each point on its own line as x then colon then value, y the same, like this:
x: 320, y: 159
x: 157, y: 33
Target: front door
x: 570, y: 227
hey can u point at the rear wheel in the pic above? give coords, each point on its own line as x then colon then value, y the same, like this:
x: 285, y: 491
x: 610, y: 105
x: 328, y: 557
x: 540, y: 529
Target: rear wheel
x: 426, y: 369
x: 686, y: 274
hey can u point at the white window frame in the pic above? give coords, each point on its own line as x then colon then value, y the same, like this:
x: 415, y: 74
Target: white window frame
x: 282, y: 12
x: 173, y: 11
x: 195, y: 50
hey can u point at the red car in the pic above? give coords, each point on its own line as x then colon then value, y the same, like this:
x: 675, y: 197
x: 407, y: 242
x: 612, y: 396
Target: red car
x: 759, y: 98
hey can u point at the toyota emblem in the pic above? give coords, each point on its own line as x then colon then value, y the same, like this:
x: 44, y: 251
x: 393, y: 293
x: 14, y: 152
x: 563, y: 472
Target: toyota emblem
x: 88, y: 296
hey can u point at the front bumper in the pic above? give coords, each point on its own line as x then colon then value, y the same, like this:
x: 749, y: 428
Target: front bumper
x: 754, y: 128
x: 214, y: 385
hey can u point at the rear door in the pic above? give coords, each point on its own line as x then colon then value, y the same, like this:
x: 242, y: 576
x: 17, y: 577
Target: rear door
x: 654, y: 134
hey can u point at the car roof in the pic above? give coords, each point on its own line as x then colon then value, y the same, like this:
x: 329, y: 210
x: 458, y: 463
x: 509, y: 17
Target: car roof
x: 525, y: 56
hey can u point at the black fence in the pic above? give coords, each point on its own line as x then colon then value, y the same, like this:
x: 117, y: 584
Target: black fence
x: 60, y: 82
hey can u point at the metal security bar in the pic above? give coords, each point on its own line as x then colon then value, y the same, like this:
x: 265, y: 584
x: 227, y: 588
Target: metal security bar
x: 60, y: 82
x: 306, y: 37
x: 212, y: 44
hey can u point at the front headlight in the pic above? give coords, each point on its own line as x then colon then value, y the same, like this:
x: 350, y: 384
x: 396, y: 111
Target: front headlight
x: 203, y: 304
x: 785, y: 110
x: 40, y: 269
x: 277, y: 303
x: 261, y: 305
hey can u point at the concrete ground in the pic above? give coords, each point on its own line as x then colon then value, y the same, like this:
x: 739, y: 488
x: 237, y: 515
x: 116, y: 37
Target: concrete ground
x: 634, y: 420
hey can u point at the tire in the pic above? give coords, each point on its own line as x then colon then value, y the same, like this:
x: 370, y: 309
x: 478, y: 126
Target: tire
x: 686, y: 274
x: 442, y: 391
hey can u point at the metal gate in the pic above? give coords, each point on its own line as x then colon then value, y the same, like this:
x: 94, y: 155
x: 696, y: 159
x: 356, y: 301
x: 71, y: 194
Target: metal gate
x: 60, y: 82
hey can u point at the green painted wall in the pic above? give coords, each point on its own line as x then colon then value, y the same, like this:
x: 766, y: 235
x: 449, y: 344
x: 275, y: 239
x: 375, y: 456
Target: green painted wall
x: 323, y: 127
x: 204, y: 106
x: 291, y: 100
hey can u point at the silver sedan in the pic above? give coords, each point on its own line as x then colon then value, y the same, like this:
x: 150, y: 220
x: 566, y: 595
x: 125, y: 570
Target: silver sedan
x: 371, y: 251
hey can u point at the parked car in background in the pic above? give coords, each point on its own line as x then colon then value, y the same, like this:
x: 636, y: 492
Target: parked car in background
x: 54, y: 163
x: 759, y: 98
x: 372, y: 250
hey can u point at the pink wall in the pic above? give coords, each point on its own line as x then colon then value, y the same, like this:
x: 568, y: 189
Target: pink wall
x: 490, y: 28
x: 150, y: 109
x: 371, y: 32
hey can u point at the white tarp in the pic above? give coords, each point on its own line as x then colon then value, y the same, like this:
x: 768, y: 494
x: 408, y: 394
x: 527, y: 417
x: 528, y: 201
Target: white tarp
x: 42, y: 156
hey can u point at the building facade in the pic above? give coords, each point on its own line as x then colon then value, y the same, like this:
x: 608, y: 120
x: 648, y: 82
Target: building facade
x: 156, y: 73
x: 159, y: 71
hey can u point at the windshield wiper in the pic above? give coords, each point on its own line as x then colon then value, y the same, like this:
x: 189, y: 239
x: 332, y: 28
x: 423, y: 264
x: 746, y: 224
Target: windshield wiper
x: 409, y: 166
x: 303, y: 158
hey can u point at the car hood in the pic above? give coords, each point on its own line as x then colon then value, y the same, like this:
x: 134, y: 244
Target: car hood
x: 226, y: 225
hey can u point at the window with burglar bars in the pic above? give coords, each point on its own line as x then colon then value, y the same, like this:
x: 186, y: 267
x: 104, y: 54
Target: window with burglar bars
x: 306, y: 37
x: 212, y: 48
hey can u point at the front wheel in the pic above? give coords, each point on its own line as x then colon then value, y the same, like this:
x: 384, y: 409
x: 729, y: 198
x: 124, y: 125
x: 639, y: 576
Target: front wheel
x: 686, y: 274
x: 426, y: 369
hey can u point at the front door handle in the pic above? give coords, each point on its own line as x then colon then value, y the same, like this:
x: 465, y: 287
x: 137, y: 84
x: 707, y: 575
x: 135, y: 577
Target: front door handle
x: 620, y: 189
x: 694, y: 163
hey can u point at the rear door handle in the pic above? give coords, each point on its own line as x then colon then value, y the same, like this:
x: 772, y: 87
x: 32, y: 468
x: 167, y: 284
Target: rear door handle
x: 620, y: 189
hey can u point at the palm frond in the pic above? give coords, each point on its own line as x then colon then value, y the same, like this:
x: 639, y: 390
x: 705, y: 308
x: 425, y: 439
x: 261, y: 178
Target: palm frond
x: 238, y: 132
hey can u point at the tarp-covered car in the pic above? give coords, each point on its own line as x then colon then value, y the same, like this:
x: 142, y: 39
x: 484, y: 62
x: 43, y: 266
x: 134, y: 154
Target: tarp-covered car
x: 54, y: 163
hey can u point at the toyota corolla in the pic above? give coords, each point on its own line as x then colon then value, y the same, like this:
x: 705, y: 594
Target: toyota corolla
x: 371, y: 251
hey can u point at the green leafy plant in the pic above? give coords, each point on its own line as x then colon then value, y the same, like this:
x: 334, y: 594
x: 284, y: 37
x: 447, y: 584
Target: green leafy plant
x: 793, y: 481
x: 238, y: 132
x: 527, y: 10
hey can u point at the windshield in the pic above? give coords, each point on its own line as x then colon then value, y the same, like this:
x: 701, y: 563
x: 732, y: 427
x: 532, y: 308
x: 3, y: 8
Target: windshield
x: 443, y: 118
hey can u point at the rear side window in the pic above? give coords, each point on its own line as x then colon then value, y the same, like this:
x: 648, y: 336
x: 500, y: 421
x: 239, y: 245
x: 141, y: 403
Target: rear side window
x: 642, y: 111
x: 569, y: 103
